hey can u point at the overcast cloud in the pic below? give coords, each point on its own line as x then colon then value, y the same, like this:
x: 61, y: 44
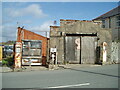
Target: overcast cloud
x: 33, y: 10
x: 44, y: 27
x: 13, y: 15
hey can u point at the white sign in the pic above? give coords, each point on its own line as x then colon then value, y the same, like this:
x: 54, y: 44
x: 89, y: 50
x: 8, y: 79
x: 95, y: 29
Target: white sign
x: 53, y: 49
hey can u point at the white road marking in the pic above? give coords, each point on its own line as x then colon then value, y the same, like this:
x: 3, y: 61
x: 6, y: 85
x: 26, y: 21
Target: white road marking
x: 70, y: 85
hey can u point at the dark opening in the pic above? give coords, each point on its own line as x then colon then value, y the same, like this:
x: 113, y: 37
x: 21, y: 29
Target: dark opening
x: 91, y: 34
x: 98, y: 55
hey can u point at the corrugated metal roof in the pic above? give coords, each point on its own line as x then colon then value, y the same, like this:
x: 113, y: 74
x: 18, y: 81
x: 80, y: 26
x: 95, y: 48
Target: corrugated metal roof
x: 110, y: 13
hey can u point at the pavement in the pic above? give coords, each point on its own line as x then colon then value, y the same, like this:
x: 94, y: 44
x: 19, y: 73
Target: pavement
x: 42, y: 68
x: 23, y: 69
x: 78, y: 65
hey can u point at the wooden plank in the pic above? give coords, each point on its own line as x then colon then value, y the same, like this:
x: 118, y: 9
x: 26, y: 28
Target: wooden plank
x: 77, y: 49
x: 88, y: 50
x: 72, y: 46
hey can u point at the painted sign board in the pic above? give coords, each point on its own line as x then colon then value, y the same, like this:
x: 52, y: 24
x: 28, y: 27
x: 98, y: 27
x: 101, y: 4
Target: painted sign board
x: 53, y: 49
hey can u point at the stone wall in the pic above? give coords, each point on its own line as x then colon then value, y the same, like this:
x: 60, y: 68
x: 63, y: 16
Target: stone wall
x: 115, y: 57
x: 78, y: 27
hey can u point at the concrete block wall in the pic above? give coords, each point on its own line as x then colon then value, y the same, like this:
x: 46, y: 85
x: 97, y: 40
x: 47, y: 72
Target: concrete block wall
x: 56, y: 41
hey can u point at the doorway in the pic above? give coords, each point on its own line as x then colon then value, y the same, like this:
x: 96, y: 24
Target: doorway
x: 80, y: 48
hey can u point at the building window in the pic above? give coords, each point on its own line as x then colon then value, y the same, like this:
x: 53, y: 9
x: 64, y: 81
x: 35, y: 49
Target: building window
x: 118, y: 21
x: 103, y: 23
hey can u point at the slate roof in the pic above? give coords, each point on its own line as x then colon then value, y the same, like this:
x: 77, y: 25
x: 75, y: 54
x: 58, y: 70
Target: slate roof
x: 110, y: 13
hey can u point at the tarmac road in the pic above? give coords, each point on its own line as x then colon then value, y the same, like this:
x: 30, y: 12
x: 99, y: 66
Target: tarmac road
x: 88, y: 77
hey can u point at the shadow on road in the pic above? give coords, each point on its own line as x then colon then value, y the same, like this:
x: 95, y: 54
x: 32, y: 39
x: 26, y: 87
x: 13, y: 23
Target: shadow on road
x: 92, y: 72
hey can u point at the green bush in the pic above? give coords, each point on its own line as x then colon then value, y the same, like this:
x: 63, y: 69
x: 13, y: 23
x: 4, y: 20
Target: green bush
x: 8, y: 61
x: 4, y: 63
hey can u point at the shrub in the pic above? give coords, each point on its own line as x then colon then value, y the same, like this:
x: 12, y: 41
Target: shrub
x: 8, y: 61
x: 4, y: 63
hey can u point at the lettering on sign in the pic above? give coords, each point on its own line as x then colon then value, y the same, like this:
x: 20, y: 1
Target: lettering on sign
x: 77, y: 41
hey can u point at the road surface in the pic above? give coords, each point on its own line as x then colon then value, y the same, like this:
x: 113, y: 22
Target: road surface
x: 88, y: 77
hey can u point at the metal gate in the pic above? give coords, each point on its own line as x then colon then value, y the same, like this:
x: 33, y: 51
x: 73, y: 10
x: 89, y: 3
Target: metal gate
x: 80, y: 49
x: 32, y: 52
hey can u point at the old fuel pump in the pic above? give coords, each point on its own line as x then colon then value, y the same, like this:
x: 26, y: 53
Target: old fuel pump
x: 53, y: 55
x: 104, y: 52
x: 18, y: 54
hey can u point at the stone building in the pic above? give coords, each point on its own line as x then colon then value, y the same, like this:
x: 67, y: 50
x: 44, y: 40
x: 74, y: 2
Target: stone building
x: 111, y: 19
x: 79, y: 42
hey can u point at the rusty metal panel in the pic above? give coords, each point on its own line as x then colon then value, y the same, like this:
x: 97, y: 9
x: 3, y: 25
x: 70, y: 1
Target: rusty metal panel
x: 35, y: 52
x: 25, y: 51
x: 31, y: 61
x: 32, y: 48
x: 32, y: 52
x: 88, y: 55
